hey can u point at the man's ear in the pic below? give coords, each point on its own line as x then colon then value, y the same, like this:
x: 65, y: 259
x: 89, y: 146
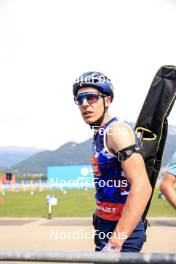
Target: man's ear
x: 107, y: 101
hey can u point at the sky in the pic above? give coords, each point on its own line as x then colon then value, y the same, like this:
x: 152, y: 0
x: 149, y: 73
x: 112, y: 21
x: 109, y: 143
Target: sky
x: 46, y: 44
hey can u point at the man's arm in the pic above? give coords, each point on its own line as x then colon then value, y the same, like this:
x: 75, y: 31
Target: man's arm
x: 167, y: 188
x: 140, y: 191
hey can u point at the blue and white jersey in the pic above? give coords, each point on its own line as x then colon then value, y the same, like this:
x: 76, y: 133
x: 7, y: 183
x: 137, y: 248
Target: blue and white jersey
x: 112, y: 187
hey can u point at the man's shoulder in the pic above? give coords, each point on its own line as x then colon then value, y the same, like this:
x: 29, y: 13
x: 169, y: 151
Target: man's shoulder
x: 120, y: 135
x: 121, y: 127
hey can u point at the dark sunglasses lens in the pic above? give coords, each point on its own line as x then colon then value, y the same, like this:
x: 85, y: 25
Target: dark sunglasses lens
x: 91, y: 98
x: 76, y: 100
x: 79, y: 99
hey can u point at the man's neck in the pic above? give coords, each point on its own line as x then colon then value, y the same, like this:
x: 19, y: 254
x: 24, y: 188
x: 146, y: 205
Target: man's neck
x: 105, y: 120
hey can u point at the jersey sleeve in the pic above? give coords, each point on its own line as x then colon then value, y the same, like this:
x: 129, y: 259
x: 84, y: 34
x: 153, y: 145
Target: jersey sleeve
x: 171, y: 166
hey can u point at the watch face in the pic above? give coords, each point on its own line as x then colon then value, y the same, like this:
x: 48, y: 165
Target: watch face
x: 120, y: 156
x: 137, y: 148
x: 128, y: 152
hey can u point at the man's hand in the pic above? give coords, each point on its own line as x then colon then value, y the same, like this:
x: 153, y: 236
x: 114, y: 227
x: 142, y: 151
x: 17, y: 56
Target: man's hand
x: 109, y: 247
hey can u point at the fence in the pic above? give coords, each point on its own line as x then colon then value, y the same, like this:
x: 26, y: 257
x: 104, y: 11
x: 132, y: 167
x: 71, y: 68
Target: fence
x: 86, y: 257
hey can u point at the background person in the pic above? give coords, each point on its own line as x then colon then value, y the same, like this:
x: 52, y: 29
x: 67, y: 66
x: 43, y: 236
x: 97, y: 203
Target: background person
x: 168, y: 183
x: 115, y: 157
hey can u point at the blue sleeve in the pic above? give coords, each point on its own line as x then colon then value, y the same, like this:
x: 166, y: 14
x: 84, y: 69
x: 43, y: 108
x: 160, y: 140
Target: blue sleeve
x: 171, y: 167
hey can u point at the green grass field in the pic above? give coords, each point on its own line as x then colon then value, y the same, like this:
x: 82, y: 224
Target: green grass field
x: 74, y: 203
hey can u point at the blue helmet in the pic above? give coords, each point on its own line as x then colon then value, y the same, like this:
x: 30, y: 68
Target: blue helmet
x: 96, y: 80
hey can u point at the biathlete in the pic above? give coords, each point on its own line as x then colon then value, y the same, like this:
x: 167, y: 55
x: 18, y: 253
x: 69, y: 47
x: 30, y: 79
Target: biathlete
x: 121, y: 182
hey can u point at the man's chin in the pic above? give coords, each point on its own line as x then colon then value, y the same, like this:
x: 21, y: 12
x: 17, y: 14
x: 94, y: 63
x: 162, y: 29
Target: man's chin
x: 89, y: 121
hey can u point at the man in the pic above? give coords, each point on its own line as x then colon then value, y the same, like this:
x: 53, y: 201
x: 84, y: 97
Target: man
x: 121, y: 181
x: 169, y: 182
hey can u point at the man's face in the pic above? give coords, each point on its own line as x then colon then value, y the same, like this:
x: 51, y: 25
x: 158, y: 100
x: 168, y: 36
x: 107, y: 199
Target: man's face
x: 91, y: 111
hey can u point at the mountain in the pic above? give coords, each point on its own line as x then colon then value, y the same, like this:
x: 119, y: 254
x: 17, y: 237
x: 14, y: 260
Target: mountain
x: 74, y: 153
x: 12, y: 155
x: 68, y: 154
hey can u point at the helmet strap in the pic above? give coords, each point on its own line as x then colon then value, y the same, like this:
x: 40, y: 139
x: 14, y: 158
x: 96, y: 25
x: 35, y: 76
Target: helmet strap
x: 97, y: 123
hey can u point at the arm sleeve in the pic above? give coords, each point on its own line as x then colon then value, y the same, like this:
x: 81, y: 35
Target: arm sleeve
x: 171, y: 166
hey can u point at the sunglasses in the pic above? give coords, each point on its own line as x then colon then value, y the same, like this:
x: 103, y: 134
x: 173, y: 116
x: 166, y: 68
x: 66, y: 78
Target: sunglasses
x: 91, y: 98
